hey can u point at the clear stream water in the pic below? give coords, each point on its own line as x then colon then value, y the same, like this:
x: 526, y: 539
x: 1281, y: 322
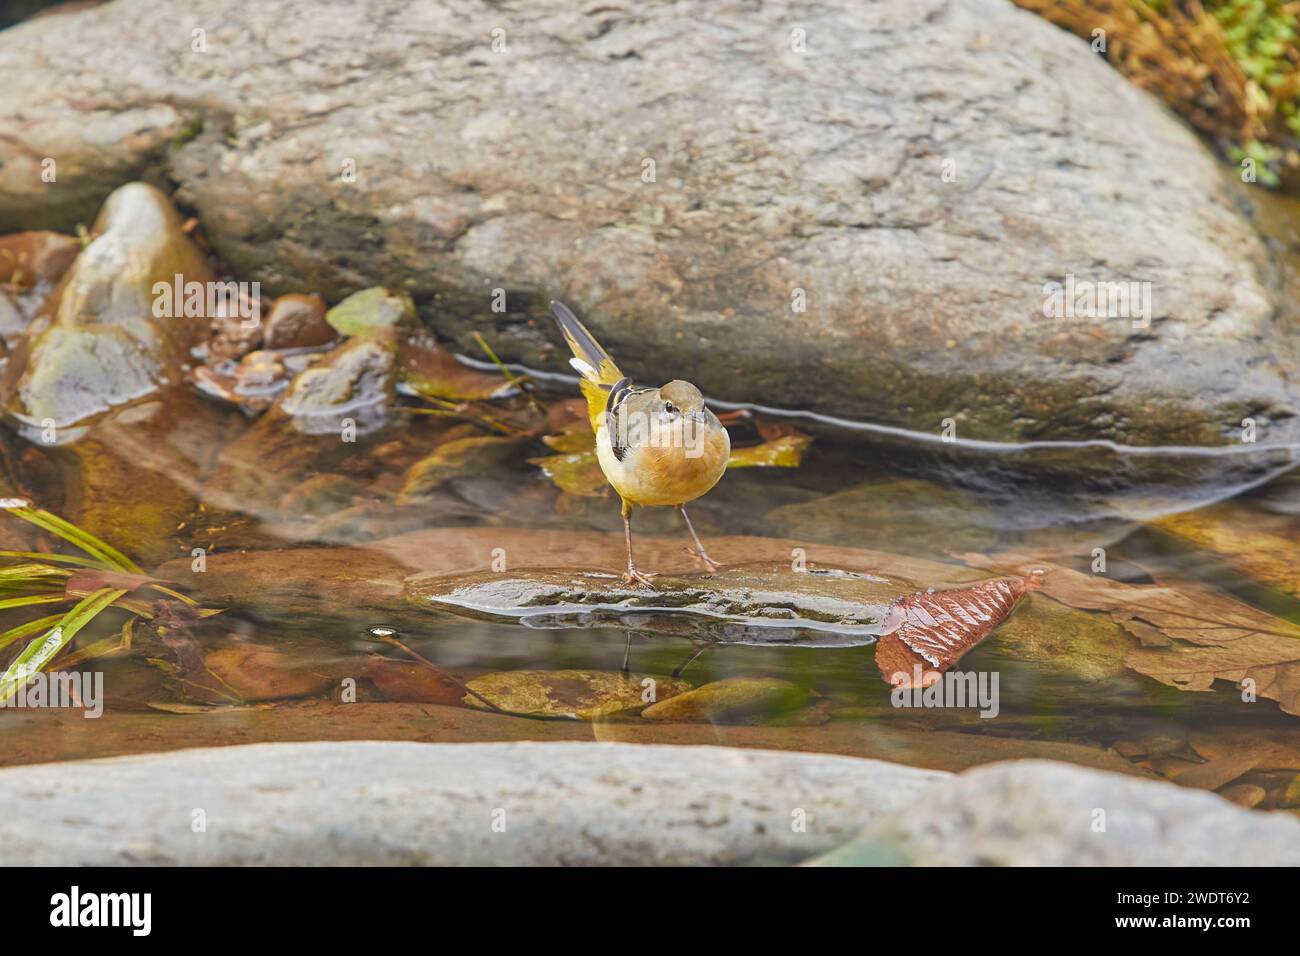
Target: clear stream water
x: 160, y: 484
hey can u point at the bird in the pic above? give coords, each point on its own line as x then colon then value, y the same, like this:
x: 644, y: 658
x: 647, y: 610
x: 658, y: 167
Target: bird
x: 658, y: 447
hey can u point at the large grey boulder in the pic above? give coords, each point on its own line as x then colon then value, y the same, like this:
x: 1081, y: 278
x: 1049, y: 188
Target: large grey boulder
x: 444, y: 804
x: 1042, y: 813
x: 916, y: 170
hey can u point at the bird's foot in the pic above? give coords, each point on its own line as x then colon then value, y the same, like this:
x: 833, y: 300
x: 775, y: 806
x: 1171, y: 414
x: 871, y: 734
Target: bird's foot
x: 713, y: 567
x: 633, y: 576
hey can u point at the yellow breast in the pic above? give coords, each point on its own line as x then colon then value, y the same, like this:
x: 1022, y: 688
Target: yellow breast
x: 667, y: 475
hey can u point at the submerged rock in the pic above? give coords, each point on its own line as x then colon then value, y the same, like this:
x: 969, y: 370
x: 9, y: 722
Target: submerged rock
x: 296, y: 322
x: 317, y: 425
x: 1046, y: 654
x: 252, y: 385
x: 352, y: 385
x: 731, y: 700
x: 99, y: 341
x: 586, y: 695
x: 917, y: 223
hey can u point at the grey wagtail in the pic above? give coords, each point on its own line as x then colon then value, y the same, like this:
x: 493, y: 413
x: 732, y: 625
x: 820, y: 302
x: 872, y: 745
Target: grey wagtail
x: 657, y: 446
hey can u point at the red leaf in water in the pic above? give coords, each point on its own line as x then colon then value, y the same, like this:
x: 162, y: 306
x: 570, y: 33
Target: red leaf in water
x: 931, y: 631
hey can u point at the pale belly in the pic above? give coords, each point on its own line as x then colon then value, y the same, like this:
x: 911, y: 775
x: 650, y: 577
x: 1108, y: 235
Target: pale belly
x: 664, y: 476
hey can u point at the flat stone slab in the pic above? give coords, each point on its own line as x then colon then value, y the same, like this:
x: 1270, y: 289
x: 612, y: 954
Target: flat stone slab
x: 751, y: 604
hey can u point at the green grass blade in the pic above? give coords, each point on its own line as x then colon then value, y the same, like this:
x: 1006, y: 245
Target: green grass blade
x: 76, y: 559
x: 31, y: 627
x: 49, y: 597
x: 40, y: 576
x: 87, y: 542
x: 43, y: 649
x: 185, y: 598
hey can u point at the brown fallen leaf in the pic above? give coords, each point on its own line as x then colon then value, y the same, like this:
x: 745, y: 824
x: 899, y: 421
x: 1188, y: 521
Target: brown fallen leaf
x: 928, y: 632
x: 428, y: 370
x: 412, y: 681
x: 1244, y: 794
x: 1276, y: 749
x: 257, y: 673
x: 1212, y: 636
x: 1216, y: 773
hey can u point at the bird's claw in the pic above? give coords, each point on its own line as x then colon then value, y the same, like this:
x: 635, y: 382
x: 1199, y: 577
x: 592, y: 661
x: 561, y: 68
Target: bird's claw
x: 633, y: 576
x: 713, y: 567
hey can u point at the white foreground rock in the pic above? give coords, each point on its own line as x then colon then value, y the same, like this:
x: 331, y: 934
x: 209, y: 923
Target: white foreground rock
x: 438, y: 804
x: 604, y: 803
x: 1042, y: 813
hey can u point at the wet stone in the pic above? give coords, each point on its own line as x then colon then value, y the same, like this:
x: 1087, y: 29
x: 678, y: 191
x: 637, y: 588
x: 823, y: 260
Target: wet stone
x: 759, y: 604
x: 297, y: 321
x: 371, y: 310
x: 97, y: 342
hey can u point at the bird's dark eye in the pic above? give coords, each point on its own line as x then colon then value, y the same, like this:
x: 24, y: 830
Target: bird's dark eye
x: 668, y: 407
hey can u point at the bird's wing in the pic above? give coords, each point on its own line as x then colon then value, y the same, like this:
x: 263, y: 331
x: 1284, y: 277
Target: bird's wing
x: 623, y: 397
x: 599, y: 374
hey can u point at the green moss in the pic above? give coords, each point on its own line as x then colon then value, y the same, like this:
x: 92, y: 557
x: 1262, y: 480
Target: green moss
x: 188, y: 132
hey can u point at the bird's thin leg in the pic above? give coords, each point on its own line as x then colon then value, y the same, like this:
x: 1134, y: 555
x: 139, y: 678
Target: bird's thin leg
x: 632, y: 575
x: 627, y: 653
x: 689, y: 661
x: 700, y: 553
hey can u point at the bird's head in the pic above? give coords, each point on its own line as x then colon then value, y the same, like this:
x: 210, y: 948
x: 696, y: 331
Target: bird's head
x: 682, y: 399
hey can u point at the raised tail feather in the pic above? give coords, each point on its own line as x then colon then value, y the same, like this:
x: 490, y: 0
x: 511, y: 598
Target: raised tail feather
x: 598, y: 371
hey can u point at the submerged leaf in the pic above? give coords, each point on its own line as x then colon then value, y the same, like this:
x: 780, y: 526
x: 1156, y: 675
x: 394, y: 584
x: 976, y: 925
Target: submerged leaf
x: 585, y: 695
x: 784, y: 452
x: 263, y: 673
x: 577, y: 473
x: 415, y: 681
x: 732, y: 700
x: 426, y: 369
x: 1211, y: 636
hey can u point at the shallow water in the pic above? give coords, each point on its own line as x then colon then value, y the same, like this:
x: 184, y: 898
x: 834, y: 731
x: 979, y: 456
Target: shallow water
x: 287, y: 530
